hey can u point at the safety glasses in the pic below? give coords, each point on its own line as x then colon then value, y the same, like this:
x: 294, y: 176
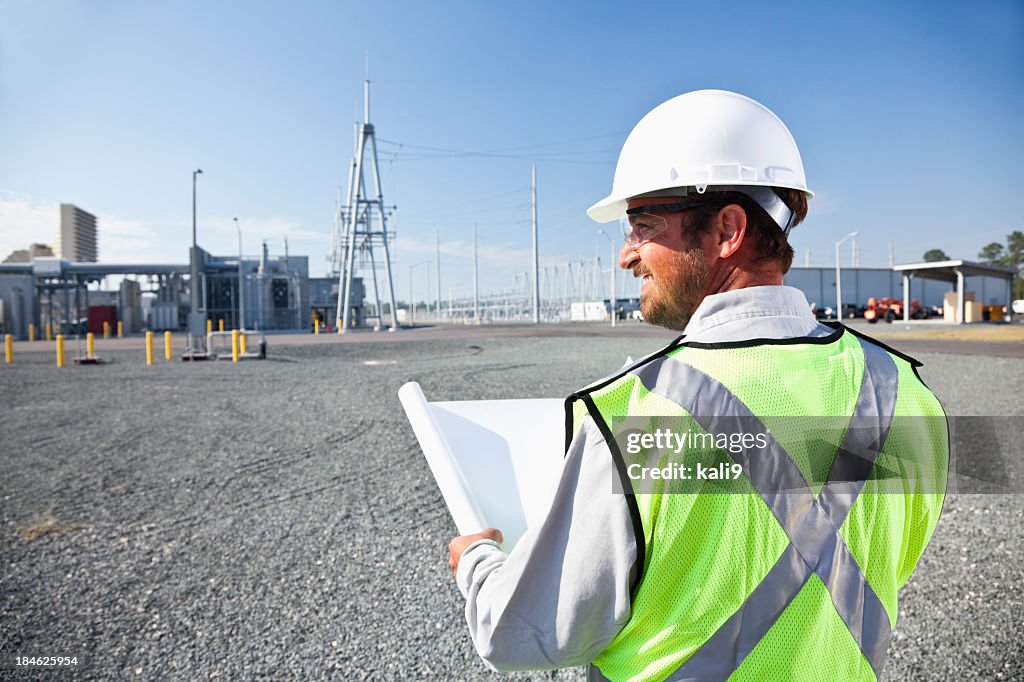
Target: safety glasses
x: 641, y: 224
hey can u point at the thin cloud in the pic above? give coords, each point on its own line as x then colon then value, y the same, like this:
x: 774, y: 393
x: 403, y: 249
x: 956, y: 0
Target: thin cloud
x: 24, y: 221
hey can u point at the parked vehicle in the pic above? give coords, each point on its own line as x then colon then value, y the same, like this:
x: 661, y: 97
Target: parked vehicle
x: 890, y: 309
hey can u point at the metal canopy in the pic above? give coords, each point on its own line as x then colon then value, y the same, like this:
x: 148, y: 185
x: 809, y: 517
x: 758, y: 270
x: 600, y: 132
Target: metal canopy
x: 946, y: 270
x: 954, y: 272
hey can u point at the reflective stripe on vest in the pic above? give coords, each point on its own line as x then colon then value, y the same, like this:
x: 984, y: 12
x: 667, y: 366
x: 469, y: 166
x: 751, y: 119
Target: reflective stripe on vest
x: 816, y: 547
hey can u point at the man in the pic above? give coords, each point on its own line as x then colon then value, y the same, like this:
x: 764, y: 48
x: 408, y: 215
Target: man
x: 791, y: 573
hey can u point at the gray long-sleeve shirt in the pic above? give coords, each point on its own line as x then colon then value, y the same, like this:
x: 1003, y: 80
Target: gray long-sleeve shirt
x: 563, y: 593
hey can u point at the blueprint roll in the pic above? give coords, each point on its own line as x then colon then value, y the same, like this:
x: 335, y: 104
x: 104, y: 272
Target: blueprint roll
x: 496, y: 462
x: 443, y: 464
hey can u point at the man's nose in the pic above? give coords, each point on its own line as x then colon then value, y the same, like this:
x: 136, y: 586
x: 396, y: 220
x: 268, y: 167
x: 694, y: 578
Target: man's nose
x: 627, y: 256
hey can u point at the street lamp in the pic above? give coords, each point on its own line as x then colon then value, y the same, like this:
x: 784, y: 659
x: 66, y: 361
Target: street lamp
x: 241, y: 279
x: 839, y: 286
x: 612, y: 265
x: 194, y: 261
x: 196, y: 321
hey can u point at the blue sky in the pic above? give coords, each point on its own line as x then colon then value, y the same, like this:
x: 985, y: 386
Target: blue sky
x: 908, y: 117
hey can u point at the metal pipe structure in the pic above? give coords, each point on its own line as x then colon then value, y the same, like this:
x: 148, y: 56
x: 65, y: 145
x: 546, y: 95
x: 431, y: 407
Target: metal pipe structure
x: 412, y: 303
x: 437, y: 247
x: 839, y: 284
x: 476, y: 282
x: 612, y: 266
x: 536, y: 258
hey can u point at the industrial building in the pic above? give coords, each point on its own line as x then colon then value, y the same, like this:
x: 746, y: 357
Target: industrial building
x: 264, y: 293
x: 76, y: 239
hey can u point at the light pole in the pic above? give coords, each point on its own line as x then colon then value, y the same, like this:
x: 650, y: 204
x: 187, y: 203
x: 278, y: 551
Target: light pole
x: 196, y: 321
x: 194, y: 260
x: 839, y: 285
x: 241, y: 279
x: 612, y: 266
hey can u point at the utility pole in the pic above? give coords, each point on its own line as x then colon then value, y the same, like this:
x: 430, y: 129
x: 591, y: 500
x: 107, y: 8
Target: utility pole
x: 839, y: 283
x: 536, y: 257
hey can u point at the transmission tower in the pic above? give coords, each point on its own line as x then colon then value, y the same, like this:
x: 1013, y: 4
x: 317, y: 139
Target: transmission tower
x: 358, y: 218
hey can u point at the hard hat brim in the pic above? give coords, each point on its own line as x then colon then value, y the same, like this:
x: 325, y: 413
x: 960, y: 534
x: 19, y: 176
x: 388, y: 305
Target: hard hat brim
x: 607, y: 210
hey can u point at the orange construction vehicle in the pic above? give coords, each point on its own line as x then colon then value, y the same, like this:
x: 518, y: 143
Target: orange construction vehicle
x: 890, y: 309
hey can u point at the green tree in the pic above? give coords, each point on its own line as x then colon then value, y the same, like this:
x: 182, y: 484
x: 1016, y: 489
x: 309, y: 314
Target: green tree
x: 1014, y: 258
x: 1014, y: 249
x: 992, y: 254
x: 934, y: 256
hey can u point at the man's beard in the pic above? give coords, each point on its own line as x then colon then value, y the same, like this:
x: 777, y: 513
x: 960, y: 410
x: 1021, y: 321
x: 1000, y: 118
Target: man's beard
x: 672, y: 303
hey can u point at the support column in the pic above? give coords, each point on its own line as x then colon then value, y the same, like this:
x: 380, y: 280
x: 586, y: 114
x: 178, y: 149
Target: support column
x: 960, y: 296
x: 906, y: 297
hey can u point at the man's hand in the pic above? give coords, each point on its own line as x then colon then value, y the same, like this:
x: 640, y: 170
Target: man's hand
x: 457, y: 546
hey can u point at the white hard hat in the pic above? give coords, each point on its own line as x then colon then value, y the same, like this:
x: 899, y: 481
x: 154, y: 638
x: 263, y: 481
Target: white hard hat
x: 706, y: 139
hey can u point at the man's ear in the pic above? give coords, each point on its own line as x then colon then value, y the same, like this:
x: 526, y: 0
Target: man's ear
x: 730, y: 228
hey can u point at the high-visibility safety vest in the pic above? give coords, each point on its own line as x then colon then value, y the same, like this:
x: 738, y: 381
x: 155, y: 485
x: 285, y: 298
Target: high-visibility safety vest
x: 797, y: 577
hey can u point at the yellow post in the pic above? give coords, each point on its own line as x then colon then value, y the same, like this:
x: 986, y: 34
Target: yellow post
x: 149, y: 348
x: 120, y: 329
x: 220, y: 324
x: 209, y: 327
x: 241, y: 342
x: 49, y: 332
x: 9, y: 348
x: 88, y: 345
x: 316, y: 327
x: 106, y: 329
x: 60, y: 350
x: 167, y: 346
x: 31, y: 332
x: 234, y: 345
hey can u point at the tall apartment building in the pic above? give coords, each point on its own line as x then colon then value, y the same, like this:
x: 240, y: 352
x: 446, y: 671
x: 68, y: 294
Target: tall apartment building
x: 76, y: 240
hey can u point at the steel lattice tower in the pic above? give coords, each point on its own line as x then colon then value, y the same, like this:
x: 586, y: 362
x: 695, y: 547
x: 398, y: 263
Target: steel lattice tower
x: 357, y: 218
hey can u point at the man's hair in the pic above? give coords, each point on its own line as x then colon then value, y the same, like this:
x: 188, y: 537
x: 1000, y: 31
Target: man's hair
x: 768, y: 238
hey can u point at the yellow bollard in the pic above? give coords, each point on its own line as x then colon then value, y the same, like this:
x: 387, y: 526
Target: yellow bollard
x: 9, y: 348
x: 106, y: 329
x: 120, y: 329
x: 31, y: 332
x: 89, y: 348
x: 60, y: 350
x: 220, y: 324
x: 49, y: 332
x: 209, y: 327
x: 234, y: 345
x: 316, y: 327
x: 149, y: 348
x: 241, y: 342
x: 167, y: 346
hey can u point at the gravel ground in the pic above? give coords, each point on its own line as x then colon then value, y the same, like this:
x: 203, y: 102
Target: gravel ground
x: 276, y: 519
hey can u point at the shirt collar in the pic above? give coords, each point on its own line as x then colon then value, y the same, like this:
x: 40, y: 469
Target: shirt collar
x: 764, y: 312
